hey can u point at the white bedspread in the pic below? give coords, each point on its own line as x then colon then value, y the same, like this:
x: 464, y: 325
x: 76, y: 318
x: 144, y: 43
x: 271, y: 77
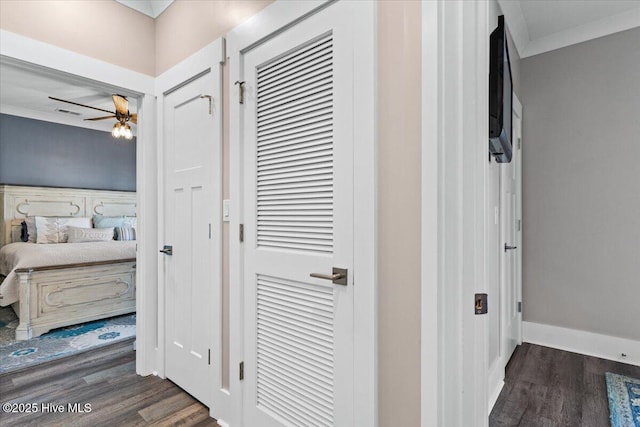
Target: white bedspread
x: 30, y: 255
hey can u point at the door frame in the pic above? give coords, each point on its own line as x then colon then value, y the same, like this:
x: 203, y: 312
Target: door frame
x: 454, y: 347
x: 517, y: 111
x: 207, y: 60
x: 81, y: 68
x: 272, y: 20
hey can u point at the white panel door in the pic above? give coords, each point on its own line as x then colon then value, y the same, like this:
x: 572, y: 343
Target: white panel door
x: 189, y: 193
x: 510, y: 247
x: 298, y: 218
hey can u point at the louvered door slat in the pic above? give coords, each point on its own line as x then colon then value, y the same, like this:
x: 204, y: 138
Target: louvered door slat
x: 300, y: 395
x: 309, y: 134
x: 294, y: 60
x: 294, y: 211
x: 311, y: 115
x: 299, y: 109
x: 308, y: 99
x: 294, y: 150
x: 292, y: 369
x: 301, y: 94
x: 295, y: 350
x: 292, y: 158
x: 296, y: 78
x: 312, y: 357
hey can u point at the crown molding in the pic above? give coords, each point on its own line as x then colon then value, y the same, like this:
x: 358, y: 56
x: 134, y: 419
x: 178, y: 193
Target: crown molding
x: 593, y: 30
x: 516, y: 24
x: 526, y: 47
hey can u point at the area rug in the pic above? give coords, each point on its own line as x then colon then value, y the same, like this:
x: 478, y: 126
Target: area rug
x: 58, y: 343
x: 624, y: 400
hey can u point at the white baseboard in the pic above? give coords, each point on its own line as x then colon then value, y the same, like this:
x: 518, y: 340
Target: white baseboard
x: 495, y: 380
x: 589, y: 343
x: 493, y: 396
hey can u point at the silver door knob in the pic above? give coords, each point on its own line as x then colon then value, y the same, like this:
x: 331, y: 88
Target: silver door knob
x: 338, y: 276
x: 509, y: 248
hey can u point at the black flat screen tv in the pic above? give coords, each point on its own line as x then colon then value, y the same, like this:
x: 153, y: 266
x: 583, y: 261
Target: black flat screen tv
x: 500, y: 95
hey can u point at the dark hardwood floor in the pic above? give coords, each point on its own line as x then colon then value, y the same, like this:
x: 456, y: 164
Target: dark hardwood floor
x: 548, y: 387
x: 543, y: 387
x: 106, y: 379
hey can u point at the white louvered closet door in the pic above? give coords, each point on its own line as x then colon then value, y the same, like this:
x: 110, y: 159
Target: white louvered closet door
x: 298, y: 217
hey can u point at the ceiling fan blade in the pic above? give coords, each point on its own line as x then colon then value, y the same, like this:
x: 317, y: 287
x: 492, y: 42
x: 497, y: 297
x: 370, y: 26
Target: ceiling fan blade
x: 80, y: 105
x: 102, y: 118
x: 121, y: 104
x: 134, y: 118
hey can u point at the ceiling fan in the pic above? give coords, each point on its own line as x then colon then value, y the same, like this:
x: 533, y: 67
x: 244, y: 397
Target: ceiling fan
x: 122, y: 115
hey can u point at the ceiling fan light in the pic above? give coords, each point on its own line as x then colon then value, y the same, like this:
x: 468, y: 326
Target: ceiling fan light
x: 127, y: 132
x: 116, y: 132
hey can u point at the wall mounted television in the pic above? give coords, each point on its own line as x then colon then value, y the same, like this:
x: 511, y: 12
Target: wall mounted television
x: 500, y: 95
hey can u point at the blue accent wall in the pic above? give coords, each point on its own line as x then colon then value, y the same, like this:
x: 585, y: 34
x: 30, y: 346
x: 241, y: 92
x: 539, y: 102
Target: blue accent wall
x: 39, y: 153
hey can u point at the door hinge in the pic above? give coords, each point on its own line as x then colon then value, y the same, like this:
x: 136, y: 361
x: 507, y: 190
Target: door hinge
x: 209, y: 358
x: 241, y: 233
x: 210, y: 101
x: 519, y: 225
x: 209, y: 231
x: 241, y: 371
x: 240, y: 91
x: 519, y: 306
x: 519, y: 143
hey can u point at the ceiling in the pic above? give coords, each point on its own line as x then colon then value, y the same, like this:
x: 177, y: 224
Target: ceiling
x: 24, y: 91
x: 536, y: 26
x: 152, y: 8
x: 539, y: 26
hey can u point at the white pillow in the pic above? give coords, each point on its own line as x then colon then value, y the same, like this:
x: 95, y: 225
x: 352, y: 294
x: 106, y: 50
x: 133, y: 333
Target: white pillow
x: 130, y: 222
x: 54, y: 229
x: 78, y: 235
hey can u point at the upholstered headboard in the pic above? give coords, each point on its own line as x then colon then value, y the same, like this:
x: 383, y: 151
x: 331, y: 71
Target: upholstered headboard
x: 18, y: 202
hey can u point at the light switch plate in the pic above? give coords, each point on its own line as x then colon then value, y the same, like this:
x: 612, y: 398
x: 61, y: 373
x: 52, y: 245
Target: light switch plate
x: 225, y: 210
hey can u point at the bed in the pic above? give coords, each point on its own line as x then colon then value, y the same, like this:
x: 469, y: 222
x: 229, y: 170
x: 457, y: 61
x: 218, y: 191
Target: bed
x: 56, y: 285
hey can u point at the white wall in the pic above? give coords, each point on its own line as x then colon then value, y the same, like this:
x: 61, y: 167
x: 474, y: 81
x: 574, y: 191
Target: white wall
x: 581, y: 186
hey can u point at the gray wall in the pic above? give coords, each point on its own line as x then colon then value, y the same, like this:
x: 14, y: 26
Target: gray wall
x: 34, y: 152
x: 581, y: 186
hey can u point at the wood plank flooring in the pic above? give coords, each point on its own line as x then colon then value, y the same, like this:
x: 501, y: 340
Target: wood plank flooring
x: 549, y: 387
x: 543, y: 387
x: 106, y: 379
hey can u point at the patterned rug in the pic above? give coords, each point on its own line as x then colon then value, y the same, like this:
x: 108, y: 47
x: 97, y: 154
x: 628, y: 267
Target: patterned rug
x: 624, y: 400
x: 58, y: 343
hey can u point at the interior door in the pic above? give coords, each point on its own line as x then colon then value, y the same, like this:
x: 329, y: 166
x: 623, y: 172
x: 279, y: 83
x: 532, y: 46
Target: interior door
x: 297, y: 139
x: 189, y: 154
x: 510, y: 247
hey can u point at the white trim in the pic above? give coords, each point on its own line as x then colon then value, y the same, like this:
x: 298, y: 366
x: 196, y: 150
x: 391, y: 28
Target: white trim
x: 493, y: 395
x: 455, y: 105
x: 583, y: 342
x: 430, y: 362
x: 276, y: 17
x: 207, y: 60
x: 609, y: 25
x: 61, y: 60
x: 516, y: 24
x: 365, y: 211
x: 517, y: 108
x: 526, y: 47
x: 76, y: 67
x: 147, y: 259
